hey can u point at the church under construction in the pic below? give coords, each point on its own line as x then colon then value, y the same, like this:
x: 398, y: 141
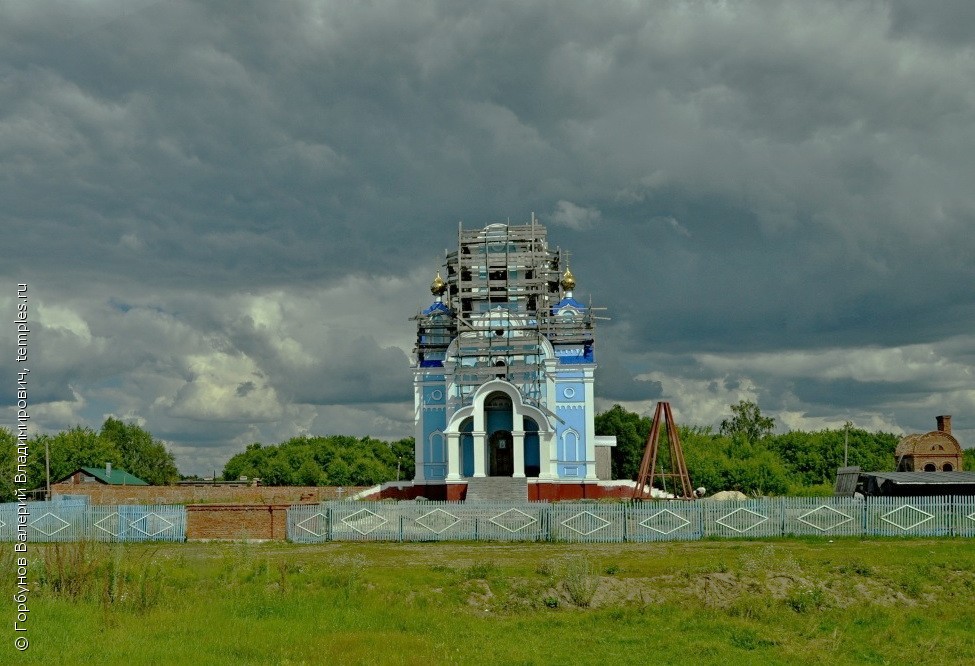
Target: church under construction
x: 503, y: 375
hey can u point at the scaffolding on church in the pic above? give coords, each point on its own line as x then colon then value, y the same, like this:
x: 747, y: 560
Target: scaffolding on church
x: 500, y: 287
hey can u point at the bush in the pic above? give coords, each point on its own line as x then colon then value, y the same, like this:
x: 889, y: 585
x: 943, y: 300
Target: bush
x: 578, y: 580
x: 806, y: 598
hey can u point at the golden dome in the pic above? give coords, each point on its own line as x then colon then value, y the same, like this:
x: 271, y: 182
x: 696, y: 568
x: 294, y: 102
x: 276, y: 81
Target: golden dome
x: 568, y: 280
x: 438, y: 286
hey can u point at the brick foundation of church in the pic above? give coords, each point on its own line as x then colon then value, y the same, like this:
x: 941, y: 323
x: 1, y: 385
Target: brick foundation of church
x: 550, y: 492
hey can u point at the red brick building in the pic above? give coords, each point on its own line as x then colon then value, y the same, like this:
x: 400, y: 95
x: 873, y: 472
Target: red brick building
x: 936, y: 451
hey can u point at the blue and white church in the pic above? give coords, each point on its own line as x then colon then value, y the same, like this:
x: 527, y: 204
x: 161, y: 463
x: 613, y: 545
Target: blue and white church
x: 503, y: 373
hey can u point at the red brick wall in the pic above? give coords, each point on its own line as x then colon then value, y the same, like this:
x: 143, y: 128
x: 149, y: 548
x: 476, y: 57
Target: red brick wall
x: 202, y: 494
x: 552, y: 492
x: 454, y: 492
x: 237, y: 521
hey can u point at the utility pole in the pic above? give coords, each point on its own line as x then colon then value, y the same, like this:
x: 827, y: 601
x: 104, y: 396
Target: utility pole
x: 846, y: 442
x: 47, y: 466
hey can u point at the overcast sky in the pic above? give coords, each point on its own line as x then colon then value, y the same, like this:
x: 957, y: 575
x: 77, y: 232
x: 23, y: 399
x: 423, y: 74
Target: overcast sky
x: 226, y: 212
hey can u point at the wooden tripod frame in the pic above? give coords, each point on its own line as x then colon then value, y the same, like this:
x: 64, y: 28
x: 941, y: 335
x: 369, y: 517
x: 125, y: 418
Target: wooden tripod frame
x: 648, y: 466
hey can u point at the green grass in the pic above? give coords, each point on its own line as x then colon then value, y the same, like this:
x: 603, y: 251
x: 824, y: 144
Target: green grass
x: 788, y: 601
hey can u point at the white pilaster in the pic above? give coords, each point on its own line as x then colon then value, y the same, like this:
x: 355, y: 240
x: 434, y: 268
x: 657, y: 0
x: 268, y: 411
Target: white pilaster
x: 546, y: 455
x: 419, y: 475
x: 518, y: 441
x: 453, y: 456
x: 480, y: 447
x: 590, y: 415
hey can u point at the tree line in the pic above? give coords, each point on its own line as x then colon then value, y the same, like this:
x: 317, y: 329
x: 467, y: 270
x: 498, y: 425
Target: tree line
x: 745, y: 455
x: 125, y: 445
x: 334, y: 460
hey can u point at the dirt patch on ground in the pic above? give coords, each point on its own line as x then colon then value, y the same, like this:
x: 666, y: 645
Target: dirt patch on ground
x: 718, y: 590
x: 625, y: 591
x: 715, y: 589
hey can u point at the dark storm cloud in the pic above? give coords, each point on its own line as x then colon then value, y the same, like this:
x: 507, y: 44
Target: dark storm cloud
x: 858, y: 394
x: 613, y: 382
x: 732, y: 180
x: 949, y: 25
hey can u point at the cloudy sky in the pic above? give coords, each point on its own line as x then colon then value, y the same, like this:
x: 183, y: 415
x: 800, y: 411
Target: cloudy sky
x: 226, y: 212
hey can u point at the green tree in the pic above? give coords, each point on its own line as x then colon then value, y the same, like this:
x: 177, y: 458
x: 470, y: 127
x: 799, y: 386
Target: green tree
x: 796, y: 462
x: 277, y: 472
x: 404, y: 450
x: 339, y: 473
x: 246, y: 463
x: 140, y: 454
x: 719, y: 462
x: 968, y: 460
x: 747, y: 421
x: 631, y: 432
x: 69, y: 450
x: 332, y: 460
x: 8, y: 464
x: 310, y: 474
x: 812, y: 458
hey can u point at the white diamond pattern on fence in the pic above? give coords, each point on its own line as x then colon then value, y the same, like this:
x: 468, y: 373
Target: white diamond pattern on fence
x: 901, y: 517
x: 513, y: 520
x: 643, y: 521
x: 747, y: 519
x: 151, y: 524
x: 75, y: 521
x: 438, y: 521
x: 316, y: 524
x: 49, y: 524
x: 665, y: 519
x: 112, y: 526
x: 364, y: 521
x: 586, y: 523
x: 825, y: 518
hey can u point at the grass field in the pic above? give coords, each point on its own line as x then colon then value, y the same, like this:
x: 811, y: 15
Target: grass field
x: 797, y: 601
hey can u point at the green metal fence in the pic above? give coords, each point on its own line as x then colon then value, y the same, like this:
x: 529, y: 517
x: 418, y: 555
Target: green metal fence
x: 77, y: 520
x: 641, y: 521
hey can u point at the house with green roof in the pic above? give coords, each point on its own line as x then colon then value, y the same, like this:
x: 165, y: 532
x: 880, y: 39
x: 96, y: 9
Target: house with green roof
x: 103, y: 475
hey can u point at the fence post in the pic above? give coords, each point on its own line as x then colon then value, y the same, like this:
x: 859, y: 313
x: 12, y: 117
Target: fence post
x: 328, y: 523
x: 865, y: 504
x: 626, y: 522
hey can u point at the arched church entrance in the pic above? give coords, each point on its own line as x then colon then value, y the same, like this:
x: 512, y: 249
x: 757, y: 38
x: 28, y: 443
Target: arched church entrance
x: 498, y: 417
x: 501, y: 454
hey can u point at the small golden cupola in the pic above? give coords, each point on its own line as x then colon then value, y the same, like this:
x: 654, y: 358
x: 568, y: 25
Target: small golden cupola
x: 568, y: 280
x: 438, y: 286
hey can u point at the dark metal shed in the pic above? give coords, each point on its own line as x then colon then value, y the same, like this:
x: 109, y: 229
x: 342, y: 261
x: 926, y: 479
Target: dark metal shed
x: 904, y: 484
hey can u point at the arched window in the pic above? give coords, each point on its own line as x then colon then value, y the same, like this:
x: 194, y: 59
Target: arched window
x: 437, y: 452
x: 947, y: 468
x: 930, y: 467
x: 570, y: 446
